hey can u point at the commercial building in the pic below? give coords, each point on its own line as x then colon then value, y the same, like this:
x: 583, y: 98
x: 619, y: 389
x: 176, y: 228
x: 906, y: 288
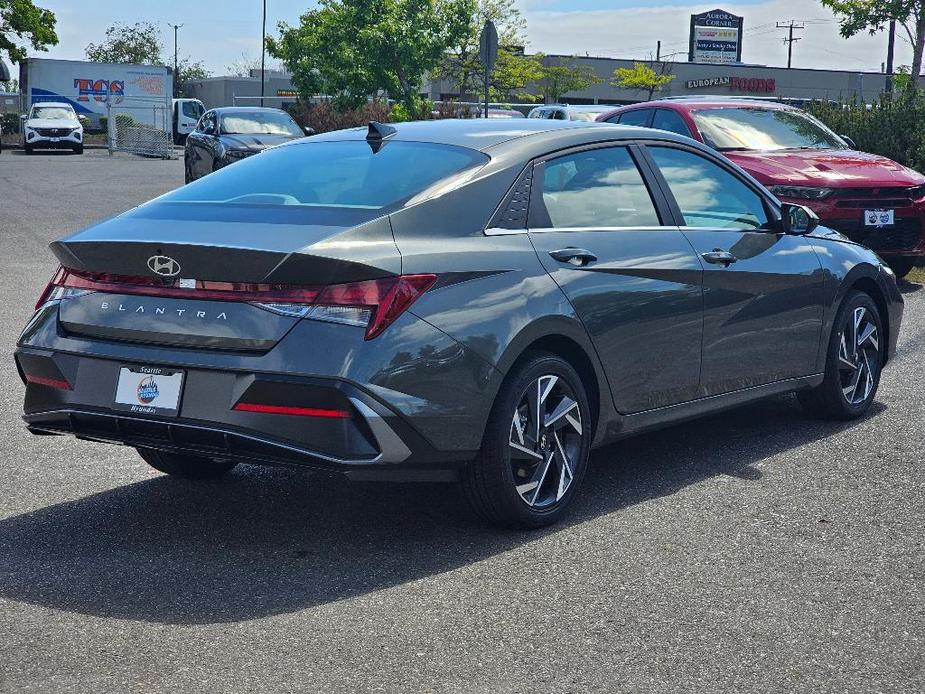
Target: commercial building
x: 243, y: 91
x: 700, y: 79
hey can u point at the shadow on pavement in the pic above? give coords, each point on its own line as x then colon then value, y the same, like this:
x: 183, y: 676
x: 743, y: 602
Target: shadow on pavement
x: 271, y: 541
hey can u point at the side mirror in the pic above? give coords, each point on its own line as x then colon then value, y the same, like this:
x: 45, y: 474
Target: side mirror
x: 797, y: 219
x: 849, y: 141
x: 309, y: 130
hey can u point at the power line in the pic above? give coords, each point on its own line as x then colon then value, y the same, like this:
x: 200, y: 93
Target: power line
x: 790, y: 39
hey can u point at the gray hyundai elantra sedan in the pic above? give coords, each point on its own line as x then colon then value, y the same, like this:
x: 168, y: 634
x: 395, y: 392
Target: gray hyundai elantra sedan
x: 474, y: 301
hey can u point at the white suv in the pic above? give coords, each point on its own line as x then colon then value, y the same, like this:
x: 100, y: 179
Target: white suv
x: 52, y: 125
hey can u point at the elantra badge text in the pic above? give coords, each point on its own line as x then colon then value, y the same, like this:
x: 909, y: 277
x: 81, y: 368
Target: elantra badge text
x: 164, y: 265
x: 160, y: 311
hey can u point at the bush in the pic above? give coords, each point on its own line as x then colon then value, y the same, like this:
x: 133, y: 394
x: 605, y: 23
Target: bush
x: 893, y: 127
x: 323, y: 117
x: 9, y: 122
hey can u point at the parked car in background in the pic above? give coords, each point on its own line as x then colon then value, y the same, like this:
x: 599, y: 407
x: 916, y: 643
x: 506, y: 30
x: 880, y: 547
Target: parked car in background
x: 451, y: 300
x: 568, y: 112
x: 186, y: 114
x: 226, y: 135
x: 499, y: 113
x: 52, y: 125
x: 869, y: 198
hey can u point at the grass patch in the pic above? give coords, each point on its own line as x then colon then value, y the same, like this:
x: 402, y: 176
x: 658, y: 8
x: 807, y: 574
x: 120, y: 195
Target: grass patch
x: 917, y: 275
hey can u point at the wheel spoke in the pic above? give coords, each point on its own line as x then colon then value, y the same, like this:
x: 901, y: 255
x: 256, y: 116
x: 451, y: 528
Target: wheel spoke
x: 869, y: 334
x: 565, y: 406
x: 524, y: 452
x: 542, y: 469
x: 843, y: 357
x: 565, y: 469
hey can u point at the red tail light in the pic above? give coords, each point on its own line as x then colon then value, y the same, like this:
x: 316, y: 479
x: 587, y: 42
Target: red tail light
x: 297, y: 411
x: 378, y: 303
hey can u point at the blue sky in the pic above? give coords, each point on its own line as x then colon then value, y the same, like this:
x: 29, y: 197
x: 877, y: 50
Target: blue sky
x: 220, y: 31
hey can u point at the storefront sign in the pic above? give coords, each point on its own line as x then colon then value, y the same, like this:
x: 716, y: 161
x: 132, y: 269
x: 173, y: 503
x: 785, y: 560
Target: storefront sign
x: 716, y: 38
x: 752, y: 85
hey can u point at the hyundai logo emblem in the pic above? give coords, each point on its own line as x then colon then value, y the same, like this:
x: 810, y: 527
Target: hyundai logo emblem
x: 164, y: 265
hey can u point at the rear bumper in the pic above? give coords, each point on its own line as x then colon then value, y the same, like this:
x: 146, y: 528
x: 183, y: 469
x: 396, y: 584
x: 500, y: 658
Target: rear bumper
x: 373, y: 442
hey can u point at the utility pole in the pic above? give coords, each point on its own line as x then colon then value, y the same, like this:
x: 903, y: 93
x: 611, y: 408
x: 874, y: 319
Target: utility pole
x: 658, y: 52
x: 263, y: 52
x: 891, y: 43
x: 176, y: 72
x: 789, y: 40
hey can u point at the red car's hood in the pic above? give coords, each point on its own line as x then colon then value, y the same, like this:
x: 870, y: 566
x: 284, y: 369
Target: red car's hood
x: 826, y: 168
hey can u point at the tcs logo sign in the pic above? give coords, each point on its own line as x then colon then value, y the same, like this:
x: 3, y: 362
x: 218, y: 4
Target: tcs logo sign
x: 99, y: 89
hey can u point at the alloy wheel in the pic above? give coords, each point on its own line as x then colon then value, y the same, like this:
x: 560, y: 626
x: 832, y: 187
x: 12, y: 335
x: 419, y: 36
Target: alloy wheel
x: 545, y: 441
x: 859, y: 356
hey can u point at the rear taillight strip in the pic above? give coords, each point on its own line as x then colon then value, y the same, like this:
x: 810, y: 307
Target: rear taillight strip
x: 58, y: 383
x: 286, y: 409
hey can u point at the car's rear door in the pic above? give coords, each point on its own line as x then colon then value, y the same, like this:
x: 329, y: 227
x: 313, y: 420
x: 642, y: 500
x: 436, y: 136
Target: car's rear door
x: 607, y: 238
x: 762, y: 288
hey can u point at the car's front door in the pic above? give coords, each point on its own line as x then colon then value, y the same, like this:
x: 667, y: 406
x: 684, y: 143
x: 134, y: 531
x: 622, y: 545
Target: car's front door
x: 762, y: 288
x: 629, y: 272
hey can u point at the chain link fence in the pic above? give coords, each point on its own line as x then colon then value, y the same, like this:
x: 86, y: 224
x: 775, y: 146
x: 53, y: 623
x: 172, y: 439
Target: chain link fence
x: 140, y: 125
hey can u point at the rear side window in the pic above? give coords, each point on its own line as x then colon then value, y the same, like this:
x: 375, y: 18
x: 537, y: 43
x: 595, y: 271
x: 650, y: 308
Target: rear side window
x: 346, y: 174
x: 670, y: 121
x: 597, y: 188
x: 641, y: 117
x: 708, y: 195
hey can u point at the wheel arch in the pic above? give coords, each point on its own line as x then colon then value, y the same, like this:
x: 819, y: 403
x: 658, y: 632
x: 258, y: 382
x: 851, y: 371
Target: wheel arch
x: 565, y: 338
x: 865, y: 281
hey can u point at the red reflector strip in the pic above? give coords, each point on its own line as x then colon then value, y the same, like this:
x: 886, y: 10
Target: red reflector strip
x: 298, y: 411
x: 58, y: 383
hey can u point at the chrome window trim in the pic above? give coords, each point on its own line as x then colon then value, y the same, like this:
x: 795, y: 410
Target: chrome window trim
x: 497, y: 231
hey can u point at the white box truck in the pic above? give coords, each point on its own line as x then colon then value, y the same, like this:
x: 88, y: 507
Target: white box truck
x: 143, y: 91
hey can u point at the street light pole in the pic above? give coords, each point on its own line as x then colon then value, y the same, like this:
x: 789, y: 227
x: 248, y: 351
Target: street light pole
x: 176, y: 73
x: 263, y: 51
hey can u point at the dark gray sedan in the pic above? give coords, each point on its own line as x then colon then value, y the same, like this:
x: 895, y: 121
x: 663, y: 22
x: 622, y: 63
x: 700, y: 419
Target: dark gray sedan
x: 479, y: 301
x: 226, y: 135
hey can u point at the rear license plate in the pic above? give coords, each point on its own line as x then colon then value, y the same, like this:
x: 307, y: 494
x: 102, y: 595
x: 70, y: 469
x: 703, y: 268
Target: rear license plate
x: 149, y: 390
x: 879, y: 218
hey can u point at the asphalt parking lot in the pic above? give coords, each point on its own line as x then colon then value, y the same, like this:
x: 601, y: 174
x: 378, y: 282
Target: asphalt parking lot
x: 754, y: 551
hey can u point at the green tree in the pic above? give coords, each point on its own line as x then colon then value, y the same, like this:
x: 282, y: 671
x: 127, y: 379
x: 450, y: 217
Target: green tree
x: 463, y: 66
x: 872, y: 16
x: 138, y: 43
x: 354, y: 49
x: 643, y: 77
x: 566, y: 76
x: 188, y: 71
x: 512, y: 76
x: 22, y: 24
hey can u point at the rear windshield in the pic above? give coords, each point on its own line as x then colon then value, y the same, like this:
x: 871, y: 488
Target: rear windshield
x: 333, y: 175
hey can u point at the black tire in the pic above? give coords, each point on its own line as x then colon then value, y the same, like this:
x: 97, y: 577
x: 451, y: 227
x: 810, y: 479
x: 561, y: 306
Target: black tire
x: 901, y: 266
x: 488, y: 483
x: 187, y: 178
x: 849, y: 363
x: 189, y: 466
x: 79, y: 149
x: 28, y: 149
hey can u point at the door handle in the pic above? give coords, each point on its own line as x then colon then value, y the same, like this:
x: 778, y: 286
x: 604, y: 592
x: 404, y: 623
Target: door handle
x: 573, y: 256
x: 719, y: 257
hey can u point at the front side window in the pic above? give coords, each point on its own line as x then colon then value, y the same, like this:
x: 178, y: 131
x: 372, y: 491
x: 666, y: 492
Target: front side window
x: 709, y: 195
x: 755, y: 128
x: 192, y: 109
x: 597, y: 188
x: 345, y: 175
x: 666, y: 119
x: 259, y: 123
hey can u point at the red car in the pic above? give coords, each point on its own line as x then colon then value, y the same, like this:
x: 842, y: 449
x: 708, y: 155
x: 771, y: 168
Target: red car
x: 869, y: 198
